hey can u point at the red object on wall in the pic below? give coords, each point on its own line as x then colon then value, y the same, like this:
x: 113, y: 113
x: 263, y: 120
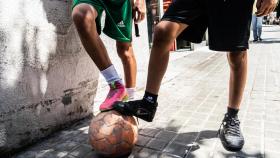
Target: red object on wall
x: 166, y: 4
x: 174, y: 46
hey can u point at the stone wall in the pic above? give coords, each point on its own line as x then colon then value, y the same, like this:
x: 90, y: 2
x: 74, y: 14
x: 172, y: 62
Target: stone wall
x: 46, y: 78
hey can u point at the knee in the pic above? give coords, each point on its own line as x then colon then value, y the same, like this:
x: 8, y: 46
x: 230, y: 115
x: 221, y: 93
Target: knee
x: 237, y: 59
x: 83, y: 16
x: 163, y: 34
x: 125, y: 50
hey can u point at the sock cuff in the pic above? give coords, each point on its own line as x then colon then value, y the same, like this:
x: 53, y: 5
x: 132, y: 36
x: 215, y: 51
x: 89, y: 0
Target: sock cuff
x: 111, y: 74
x: 130, y: 89
x: 150, y: 97
x: 232, y: 112
x: 131, y: 93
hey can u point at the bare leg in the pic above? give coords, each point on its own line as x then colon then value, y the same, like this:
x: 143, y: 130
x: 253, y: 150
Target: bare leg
x: 125, y: 52
x: 84, y: 17
x: 164, y: 36
x: 238, y: 76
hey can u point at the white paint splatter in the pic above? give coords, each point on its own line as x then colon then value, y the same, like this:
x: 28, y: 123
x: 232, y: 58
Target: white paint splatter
x: 30, y: 40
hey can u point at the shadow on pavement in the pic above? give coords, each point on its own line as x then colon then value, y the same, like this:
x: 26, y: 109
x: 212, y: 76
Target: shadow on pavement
x: 242, y: 154
x: 73, y: 143
x: 268, y: 41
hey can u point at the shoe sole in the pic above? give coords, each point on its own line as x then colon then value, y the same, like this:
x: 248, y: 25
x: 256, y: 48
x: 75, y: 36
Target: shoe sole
x: 229, y: 148
x: 234, y: 149
x: 125, y: 98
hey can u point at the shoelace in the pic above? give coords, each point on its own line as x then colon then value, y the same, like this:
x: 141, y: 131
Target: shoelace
x: 231, y: 126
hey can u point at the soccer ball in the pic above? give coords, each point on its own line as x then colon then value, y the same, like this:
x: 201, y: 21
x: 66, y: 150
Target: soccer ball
x: 112, y: 134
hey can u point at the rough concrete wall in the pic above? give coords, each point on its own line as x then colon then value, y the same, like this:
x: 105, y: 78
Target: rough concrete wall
x: 46, y: 78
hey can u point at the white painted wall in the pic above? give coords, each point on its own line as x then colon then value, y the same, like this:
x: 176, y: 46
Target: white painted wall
x: 46, y: 78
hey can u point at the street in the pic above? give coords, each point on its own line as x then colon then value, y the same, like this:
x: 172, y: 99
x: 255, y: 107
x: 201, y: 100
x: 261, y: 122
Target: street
x: 192, y: 102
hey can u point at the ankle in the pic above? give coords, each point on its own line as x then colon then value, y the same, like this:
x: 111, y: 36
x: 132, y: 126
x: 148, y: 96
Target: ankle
x: 150, y: 98
x: 232, y: 112
x: 131, y: 93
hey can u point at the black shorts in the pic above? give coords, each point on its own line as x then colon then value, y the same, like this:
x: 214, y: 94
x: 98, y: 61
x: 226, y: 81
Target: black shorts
x: 228, y: 22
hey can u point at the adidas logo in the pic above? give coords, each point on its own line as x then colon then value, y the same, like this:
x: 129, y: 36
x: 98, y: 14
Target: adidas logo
x: 121, y: 24
x: 150, y: 98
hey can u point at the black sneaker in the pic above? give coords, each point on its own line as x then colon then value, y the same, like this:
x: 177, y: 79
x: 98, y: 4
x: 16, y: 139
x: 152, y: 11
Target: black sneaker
x: 260, y: 39
x: 230, y: 134
x: 255, y: 40
x: 139, y: 108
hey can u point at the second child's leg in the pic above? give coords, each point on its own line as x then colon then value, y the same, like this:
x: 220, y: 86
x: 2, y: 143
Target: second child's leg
x: 125, y: 52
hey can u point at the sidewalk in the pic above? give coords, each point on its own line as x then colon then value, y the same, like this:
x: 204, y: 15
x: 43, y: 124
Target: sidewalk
x: 192, y: 102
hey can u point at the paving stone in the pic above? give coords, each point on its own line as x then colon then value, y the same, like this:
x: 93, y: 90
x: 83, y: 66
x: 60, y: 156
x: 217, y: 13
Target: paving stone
x: 272, y: 145
x: 142, y: 140
x: 189, y: 129
x: 92, y: 154
x: 207, y: 143
x: 226, y: 154
x: 176, y: 149
x: 157, y: 124
x: 166, y: 135
x: 269, y: 154
x: 147, y: 153
x: 157, y: 144
x: 272, y: 126
x: 137, y: 148
x: 186, y: 138
x: 150, y: 132
x: 201, y: 153
x: 252, y: 124
x: 167, y: 155
x: 61, y: 154
x: 52, y: 141
x: 175, y: 125
x: 26, y: 154
x: 204, y: 110
x: 253, y: 142
x: 64, y: 135
x: 66, y: 146
x: 46, y: 154
x: 185, y: 113
x: 195, y: 122
x: 81, y: 151
x: 252, y: 131
x: 69, y: 156
x: 81, y: 138
x: 272, y: 134
x: 210, y: 125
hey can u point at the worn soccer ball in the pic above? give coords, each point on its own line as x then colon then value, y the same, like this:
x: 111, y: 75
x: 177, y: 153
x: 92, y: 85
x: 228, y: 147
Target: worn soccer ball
x: 112, y: 134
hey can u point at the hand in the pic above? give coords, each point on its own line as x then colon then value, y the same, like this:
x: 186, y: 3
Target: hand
x: 265, y: 7
x: 139, y: 10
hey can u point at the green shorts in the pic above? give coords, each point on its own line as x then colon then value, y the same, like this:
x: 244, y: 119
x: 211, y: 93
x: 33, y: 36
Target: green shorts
x: 118, y: 21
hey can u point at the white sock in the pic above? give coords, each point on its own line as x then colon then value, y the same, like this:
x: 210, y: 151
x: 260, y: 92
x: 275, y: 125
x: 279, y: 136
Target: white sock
x: 111, y: 74
x: 130, y: 92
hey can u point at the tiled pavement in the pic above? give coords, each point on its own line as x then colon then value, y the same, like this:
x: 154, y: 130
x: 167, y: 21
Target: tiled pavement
x: 192, y: 103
